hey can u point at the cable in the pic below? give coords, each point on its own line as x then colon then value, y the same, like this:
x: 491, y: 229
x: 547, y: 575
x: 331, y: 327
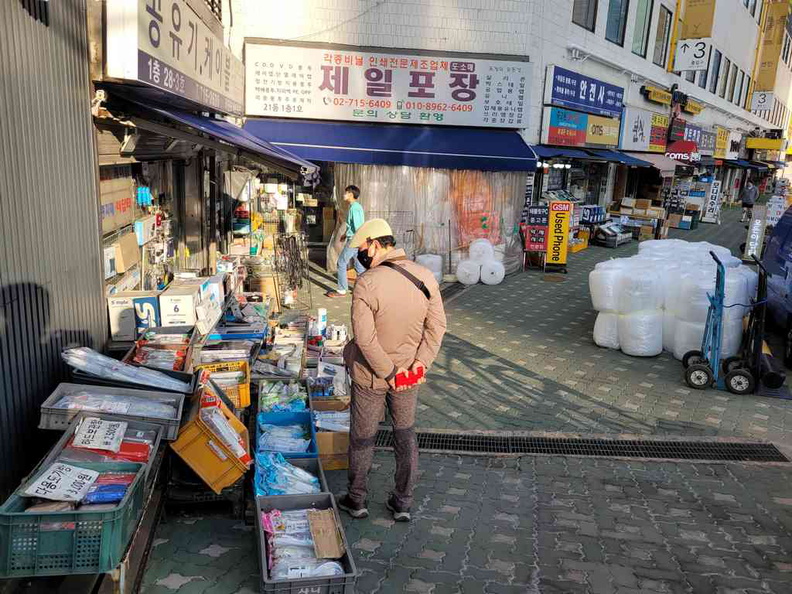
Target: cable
x: 290, y: 260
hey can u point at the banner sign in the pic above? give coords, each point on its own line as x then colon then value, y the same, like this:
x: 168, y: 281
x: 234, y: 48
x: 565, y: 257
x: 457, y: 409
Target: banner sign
x: 168, y: 46
x: 756, y: 231
x: 573, y: 128
x: 772, y: 42
x: 721, y: 142
x: 577, y: 91
x: 699, y: 17
x: 383, y: 85
x: 558, y: 230
x: 706, y: 145
x: 535, y: 230
x: 693, y: 133
x: 643, y: 130
x: 768, y: 144
x: 733, y: 146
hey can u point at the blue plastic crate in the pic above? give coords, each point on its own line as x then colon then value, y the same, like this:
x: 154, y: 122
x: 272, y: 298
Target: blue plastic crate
x: 290, y: 418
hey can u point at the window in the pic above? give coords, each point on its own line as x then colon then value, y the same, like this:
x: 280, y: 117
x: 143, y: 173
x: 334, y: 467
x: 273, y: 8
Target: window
x: 758, y: 10
x: 786, y: 49
x: 702, y: 81
x: 738, y: 89
x: 690, y: 76
x: 745, y: 3
x: 746, y: 90
x: 714, y: 71
x: 662, y: 36
x: 584, y: 13
x: 753, y: 8
x: 732, y: 81
x: 617, y: 21
x: 724, y: 77
x: 643, y: 21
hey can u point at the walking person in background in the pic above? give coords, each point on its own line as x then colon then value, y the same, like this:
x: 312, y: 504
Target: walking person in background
x: 355, y: 219
x: 748, y: 198
x: 398, y: 321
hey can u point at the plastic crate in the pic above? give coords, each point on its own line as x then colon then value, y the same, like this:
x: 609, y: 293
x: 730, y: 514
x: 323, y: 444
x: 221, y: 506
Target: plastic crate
x: 60, y: 418
x: 73, y: 542
x: 312, y: 465
x: 206, y: 454
x: 238, y: 395
x: 290, y: 418
x: 191, y: 379
x: 343, y: 584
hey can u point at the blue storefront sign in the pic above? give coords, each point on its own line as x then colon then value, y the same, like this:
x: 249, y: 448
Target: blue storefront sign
x: 577, y: 91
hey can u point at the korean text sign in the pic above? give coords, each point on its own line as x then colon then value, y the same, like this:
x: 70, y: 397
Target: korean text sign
x: 565, y: 127
x: 577, y: 91
x: 385, y: 86
x: 558, y: 231
x: 62, y: 482
x: 165, y: 44
x: 643, y: 130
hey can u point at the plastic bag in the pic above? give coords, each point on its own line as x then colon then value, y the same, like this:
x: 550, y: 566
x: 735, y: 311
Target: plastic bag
x: 290, y: 439
x: 669, y: 330
x: 468, y: 272
x: 276, y: 476
x: 89, y: 361
x: 606, y: 330
x: 305, y: 569
x: 127, y: 404
x: 641, y: 333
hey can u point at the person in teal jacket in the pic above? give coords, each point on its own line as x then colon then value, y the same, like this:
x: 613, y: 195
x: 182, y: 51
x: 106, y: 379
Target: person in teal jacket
x: 355, y: 219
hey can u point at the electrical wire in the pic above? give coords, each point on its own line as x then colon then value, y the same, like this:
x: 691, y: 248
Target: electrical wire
x: 291, y: 261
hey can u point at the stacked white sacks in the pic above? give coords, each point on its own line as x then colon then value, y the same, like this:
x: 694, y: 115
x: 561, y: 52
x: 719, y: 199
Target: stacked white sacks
x: 483, y: 264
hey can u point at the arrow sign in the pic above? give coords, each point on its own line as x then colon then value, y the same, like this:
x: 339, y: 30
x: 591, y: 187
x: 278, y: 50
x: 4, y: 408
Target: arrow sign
x: 692, y: 54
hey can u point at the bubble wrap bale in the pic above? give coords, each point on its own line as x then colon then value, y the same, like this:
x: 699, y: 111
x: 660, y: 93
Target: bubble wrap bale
x: 492, y: 272
x: 604, y: 286
x: 434, y: 263
x: 687, y: 337
x: 468, y: 272
x: 669, y: 329
x: 606, y: 330
x: 641, y: 333
x: 481, y: 251
x: 639, y: 290
x: 736, y: 296
x: 693, y: 304
x: 732, y: 337
x: 751, y: 280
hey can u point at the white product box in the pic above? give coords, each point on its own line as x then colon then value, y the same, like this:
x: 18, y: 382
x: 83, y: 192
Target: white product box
x: 214, y: 289
x: 178, y: 305
x: 145, y: 229
x: 121, y: 309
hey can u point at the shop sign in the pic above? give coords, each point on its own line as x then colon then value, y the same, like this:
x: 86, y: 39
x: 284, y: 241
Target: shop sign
x: 693, y: 133
x: 528, y: 198
x: 656, y: 95
x: 383, y: 85
x: 658, y: 139
x: 535, y: 229
x: 558, y: 229
x: 168, y: 46
x: 692, y: 54
x: 677, y: 131
x: 706, y: 144
x: 577, y: 91
x: 733, y: 146
x: 692, y: 107
x: 776, y: 207
x: 699, y: 17
x: 768, y: 144
x: 756, y: 231
x: 721, y: 142
x: 762, y: 100
x: 683, y: 151
x: 643, y: 130
x: 571, y: 128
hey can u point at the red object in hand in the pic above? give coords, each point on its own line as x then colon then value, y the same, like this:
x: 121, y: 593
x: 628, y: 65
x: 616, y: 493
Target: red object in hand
x: 408, y: 378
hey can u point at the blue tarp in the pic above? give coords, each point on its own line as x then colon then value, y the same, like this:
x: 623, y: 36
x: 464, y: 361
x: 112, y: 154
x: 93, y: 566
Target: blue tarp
x: 442, y: 147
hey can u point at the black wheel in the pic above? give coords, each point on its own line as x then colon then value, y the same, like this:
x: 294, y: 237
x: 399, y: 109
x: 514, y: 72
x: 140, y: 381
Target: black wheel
x: 740, y: 381
x: 699, y: 377
x: 731, y: 363
x: 693, y: 358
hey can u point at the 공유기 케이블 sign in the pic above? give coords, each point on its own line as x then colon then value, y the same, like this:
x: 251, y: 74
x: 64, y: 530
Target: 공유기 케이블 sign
x: 384, y: 85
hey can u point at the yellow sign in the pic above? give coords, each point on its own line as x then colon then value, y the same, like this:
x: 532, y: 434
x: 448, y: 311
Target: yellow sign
x: 558, y: 230
x: 772, y: 42
x: 699, y: 15
x: 656, y: 95
x: 659, y: 134
x: 602, y: 131
x: 721, y: 142
x: 693, y: 107
x: 770, y: 144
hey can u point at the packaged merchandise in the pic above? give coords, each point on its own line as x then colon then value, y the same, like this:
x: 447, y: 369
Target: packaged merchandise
x: 127, y: 404
x: 219, y: 425
x: 287, y: 438
x: 282, y: 397
x: 332, y: 420
x: 276, y: 476
x: 89, y: 361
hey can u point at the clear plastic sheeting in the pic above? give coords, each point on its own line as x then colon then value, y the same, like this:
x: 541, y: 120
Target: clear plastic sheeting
x: 606, y: 330
x: 452, y: 208
x: 468, y: 272
x: 641, y: 333
x: 492, y: 272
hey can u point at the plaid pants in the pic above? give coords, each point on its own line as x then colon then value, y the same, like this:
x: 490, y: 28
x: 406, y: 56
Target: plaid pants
x: 366, y: 410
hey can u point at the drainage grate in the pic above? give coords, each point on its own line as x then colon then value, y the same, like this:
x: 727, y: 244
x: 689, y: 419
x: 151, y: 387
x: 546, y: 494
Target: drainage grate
x: 452, y: 291
x: 673, y: 450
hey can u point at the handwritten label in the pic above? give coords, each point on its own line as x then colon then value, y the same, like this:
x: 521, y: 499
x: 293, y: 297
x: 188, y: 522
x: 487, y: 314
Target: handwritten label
x: 62, y: 482
x: 98, y: 434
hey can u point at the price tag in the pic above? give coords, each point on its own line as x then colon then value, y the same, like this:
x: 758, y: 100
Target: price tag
x: 98, y: 434
x: 62, y: 482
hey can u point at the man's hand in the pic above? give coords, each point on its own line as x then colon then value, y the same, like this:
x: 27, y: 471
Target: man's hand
x: 392, y: 381
x: 416, y: 367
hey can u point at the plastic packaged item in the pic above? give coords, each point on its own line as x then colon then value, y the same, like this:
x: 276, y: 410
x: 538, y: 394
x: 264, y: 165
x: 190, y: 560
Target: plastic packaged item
x: 639, y: 290
x: 219, y: 425
x: 305, y: 569
x: 112, y: 493
x: 604, y: 285
x: 669, y: 329
x: 89, y: 361
x: 332, y: 420
x: 492, y: 272
x: 606, y: 330
x: 276, y: 476
x: 731, y: 337
x: 126, y: 404
x: 687, y: 337
x: 641, y: 333
x: 432, y: 262
x: 468, y: 272
x: 480, y: 251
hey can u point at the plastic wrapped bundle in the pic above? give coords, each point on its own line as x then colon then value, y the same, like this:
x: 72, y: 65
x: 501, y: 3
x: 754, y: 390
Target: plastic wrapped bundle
x: 687, y: 337
x: 468, y: 272
x: 89, y: 361
x: 492, y: 272
x: 735, y: 301
x: 693, y: 304
x: 751, y: 281
x: 434, y: 263
x: 606, y: 330
x: 732, y: 337
x: 604, y: 285
x: 481, y: 250
x: 641, y: 333
x: 639, y: 290
x: 669, y: 329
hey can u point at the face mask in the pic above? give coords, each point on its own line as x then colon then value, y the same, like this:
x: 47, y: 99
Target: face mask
x: 364, y: 258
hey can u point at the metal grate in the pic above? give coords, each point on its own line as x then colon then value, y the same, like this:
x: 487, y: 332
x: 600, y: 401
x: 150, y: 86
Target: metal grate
x: 672, y: 450
x: 452, y: 291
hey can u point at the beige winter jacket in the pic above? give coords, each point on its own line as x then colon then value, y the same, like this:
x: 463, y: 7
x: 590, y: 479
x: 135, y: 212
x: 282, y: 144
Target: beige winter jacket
x: 393, y: 322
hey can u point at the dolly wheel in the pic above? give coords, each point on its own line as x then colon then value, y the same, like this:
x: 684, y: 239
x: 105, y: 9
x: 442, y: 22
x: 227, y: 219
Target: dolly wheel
x: 693, y: 358
x: 699, y: 377
x: 740, y: 381
x: 731, y: 363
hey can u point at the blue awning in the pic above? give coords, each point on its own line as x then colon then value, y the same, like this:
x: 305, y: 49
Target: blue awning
x: 617, y: 157
x: 556, y: 152
x: 443, y: 147
x: 780, y: 164
x: 237, y: 137
x: 737, y: 163
x: 758, y: 166
x: 634, y: 162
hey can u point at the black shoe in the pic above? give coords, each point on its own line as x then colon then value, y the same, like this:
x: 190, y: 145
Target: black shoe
x: 399, y: 514
x: 356, y: 510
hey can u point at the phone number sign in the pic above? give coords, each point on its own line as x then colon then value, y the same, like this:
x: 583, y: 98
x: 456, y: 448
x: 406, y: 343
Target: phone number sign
x: 384, y: 86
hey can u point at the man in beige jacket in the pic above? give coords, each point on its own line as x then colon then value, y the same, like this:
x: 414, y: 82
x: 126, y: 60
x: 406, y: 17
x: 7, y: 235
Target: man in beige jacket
x: 398, y: 322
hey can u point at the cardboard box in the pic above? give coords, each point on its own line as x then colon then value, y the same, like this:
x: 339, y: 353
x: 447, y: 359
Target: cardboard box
x: 674, y: 220
x: 132, y: 312
x: 333, y: 449
x: 145, y: 229
x: 127, y: 252
x: 326, y: 534
x: 639, y: 212
x: 647, y: 232
x: 629, y: 202
x: 656, y: 212
x: 692, y: 206
x: 266, y: 286
x: 643, y: 204
x: 626, y: 211
x: 177, y: 305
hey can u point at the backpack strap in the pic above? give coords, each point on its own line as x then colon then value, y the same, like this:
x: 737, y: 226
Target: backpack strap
x: 419, y: 284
